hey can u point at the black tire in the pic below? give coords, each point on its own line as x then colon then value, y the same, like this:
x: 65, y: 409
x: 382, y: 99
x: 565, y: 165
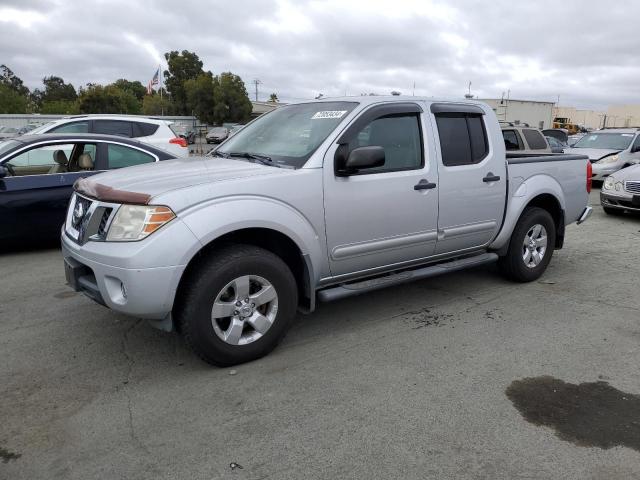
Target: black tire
x: 193, y: 308
x: 613, y: 211
x: 512, y: 264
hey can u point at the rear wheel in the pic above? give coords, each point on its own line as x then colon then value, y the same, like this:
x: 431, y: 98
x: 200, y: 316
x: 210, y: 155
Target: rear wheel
x: 531, y: 246
x: 237, y: 306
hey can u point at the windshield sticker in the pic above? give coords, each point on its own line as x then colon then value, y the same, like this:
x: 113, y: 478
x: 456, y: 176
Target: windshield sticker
x: 593, y: 137
x: 329, y: 114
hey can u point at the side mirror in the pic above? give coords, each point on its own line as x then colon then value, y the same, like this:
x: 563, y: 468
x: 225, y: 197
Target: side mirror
x: 362, y: 158
x: 3, y: 171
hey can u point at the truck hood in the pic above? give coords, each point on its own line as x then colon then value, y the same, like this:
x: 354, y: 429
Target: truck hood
x: 592, y: 153
x: 141, y: 183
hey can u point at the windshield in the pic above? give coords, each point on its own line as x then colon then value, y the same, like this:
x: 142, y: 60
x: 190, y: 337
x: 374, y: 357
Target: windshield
x: 289, y: 135
x: 8, y: 145
x: 40, y: 129
x: 217, y: 130
x: 610, y: 141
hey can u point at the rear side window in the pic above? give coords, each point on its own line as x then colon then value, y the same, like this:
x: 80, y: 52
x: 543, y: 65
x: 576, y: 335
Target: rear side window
x: 73, y: 127
x: 113, y: 127
x: 141, y: 129
x: 463, y: 138
x: 512, y: 140
x: 119, y: 156
x: 535, y: 139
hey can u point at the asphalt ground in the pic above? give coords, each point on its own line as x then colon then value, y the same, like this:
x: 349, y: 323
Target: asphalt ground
x: 465, y: 376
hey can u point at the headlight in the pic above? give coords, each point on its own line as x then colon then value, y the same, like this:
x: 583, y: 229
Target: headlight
x: 609, y: 159
x: 608, y: 183
x: 135, y: 222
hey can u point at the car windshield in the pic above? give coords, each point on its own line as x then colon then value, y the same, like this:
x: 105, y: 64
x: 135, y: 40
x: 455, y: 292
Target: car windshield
x: 610, y: 141
x: 218, y: 130
x: 289, y: 135
x: 8, y: 145
x: 40, y: 129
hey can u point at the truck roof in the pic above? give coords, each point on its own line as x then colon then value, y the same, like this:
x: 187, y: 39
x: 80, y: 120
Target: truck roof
x: 369, y: 99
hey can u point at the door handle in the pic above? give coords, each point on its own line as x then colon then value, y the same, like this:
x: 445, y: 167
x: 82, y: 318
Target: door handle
x: 424, y: 184
x: 491, y: 178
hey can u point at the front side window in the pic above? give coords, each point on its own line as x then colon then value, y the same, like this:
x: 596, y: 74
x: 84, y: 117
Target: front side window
x: 119, y: 156
x: 113, y: 127
x: 42, y: 160
x: 74, y: 127
x: 463, y: 138
x: 289, y: 135
x: 609, y: 141
x: 399, y: 135
x: 512, y: 140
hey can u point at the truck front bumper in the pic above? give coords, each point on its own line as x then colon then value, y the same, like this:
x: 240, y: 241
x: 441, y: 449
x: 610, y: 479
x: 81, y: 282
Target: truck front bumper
x: 140, y: 292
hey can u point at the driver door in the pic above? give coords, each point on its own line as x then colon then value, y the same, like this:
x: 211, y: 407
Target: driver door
x: 35, y: 193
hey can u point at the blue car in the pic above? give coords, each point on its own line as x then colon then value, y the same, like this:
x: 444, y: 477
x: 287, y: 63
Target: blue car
x: 37, y: 173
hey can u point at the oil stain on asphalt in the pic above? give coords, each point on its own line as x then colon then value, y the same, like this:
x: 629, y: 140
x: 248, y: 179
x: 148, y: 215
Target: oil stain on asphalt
x: 589, y: 414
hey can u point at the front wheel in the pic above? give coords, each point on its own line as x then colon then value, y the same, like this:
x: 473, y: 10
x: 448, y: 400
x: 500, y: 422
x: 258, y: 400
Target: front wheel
x: 531, y: 246
x: 237, y: 305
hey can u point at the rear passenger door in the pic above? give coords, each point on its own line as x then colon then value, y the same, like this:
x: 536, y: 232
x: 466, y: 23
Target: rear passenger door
x: 113, y: 156
x: 473, y: 184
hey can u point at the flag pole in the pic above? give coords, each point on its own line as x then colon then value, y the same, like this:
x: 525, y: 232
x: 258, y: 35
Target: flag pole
x: 161, y: 104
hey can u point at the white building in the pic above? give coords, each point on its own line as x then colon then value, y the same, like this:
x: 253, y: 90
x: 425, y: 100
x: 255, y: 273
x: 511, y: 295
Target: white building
x: 534, y: 113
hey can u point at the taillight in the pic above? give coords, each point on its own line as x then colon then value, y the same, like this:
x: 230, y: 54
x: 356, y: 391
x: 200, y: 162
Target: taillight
x: 179, y: 141
x: 589, y: 175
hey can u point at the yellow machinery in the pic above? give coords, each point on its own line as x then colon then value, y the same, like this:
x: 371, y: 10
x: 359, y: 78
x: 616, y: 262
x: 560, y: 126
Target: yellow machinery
x: 563, y: 122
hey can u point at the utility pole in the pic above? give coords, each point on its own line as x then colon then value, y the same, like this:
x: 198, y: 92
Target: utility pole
x: 256, y: 82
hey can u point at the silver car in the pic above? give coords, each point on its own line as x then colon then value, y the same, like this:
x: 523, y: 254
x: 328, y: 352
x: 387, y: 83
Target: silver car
x: 621, y: 191
x: 609, y: 150
x: 217, y: 135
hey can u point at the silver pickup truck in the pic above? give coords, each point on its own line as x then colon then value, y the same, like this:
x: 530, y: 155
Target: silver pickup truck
x: 316, y: 201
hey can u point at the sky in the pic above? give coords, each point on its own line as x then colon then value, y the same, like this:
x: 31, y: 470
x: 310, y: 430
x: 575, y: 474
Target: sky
x: 584, y: 53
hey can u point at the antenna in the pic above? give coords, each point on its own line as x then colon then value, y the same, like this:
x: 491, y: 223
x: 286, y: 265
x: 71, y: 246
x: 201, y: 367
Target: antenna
x: 256, y: 82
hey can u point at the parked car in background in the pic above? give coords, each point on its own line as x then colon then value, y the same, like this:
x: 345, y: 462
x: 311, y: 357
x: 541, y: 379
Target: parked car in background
x: 217, y: 135
x: 621, y: 191
x: 573, y: 139
x: 28, y: 128
x: 525, y: 140
x: 8, y: 132
x: 37, y: 173
x: 560, y: 134
x: 383, y: 191
x: 185, y: 131
x: 233, y: 130
x: 147, y: 130
x: 609, y: 150
x: 556, y: 145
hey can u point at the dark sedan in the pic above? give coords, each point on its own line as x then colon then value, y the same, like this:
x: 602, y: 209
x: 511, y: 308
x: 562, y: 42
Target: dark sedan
x: 37, y: 173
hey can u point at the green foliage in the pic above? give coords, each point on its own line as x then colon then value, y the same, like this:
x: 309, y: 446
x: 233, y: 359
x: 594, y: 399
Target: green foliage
x: 199, y: 92
x: 154, y: 105
x: 109, y: 99
x: 273, y: 98
x: 230, y: 100
x: 12, y: 101
x: 183, y: 66
x: 62, y: 107
x: 135, y: 87
x: 55, y: 89
x: 9, y: 79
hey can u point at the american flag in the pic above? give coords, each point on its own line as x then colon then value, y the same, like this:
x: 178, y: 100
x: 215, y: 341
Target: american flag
x: 153, y: 81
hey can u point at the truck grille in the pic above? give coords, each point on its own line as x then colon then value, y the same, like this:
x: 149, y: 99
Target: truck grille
x: 87, y: 219
x: 632, y: 187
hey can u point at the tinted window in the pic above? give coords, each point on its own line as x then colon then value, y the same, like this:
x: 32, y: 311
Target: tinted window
x: 73, y: 127
x: 112, y: 127
x: 119, y: 156
x: 141, y: 129
x: 400, y: 138
x: 511, y: 139
x: 636, y: 144
x: 535, y: 139
x: 463, y: 139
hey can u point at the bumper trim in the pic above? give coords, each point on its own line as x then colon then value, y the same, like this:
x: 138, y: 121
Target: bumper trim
x: 586, y: 213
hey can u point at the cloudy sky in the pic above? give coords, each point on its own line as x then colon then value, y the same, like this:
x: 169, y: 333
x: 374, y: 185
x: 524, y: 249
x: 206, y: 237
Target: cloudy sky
x: 585, y: 52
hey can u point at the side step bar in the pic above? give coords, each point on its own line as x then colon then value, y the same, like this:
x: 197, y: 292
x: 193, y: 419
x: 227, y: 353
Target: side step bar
x: 365, y: 286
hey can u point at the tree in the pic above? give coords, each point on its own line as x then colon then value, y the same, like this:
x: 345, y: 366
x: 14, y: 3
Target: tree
x: 55, y: 89
x: 12, y: 101
x: 182, y: 67
x: 199, y: 93
x: 230, y: 100
x: 109, y: 99
x: 61, y: 107
x: 8, y: 78
x: 154, y: 105
x: 273, y: 98
x: 135, y: 87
